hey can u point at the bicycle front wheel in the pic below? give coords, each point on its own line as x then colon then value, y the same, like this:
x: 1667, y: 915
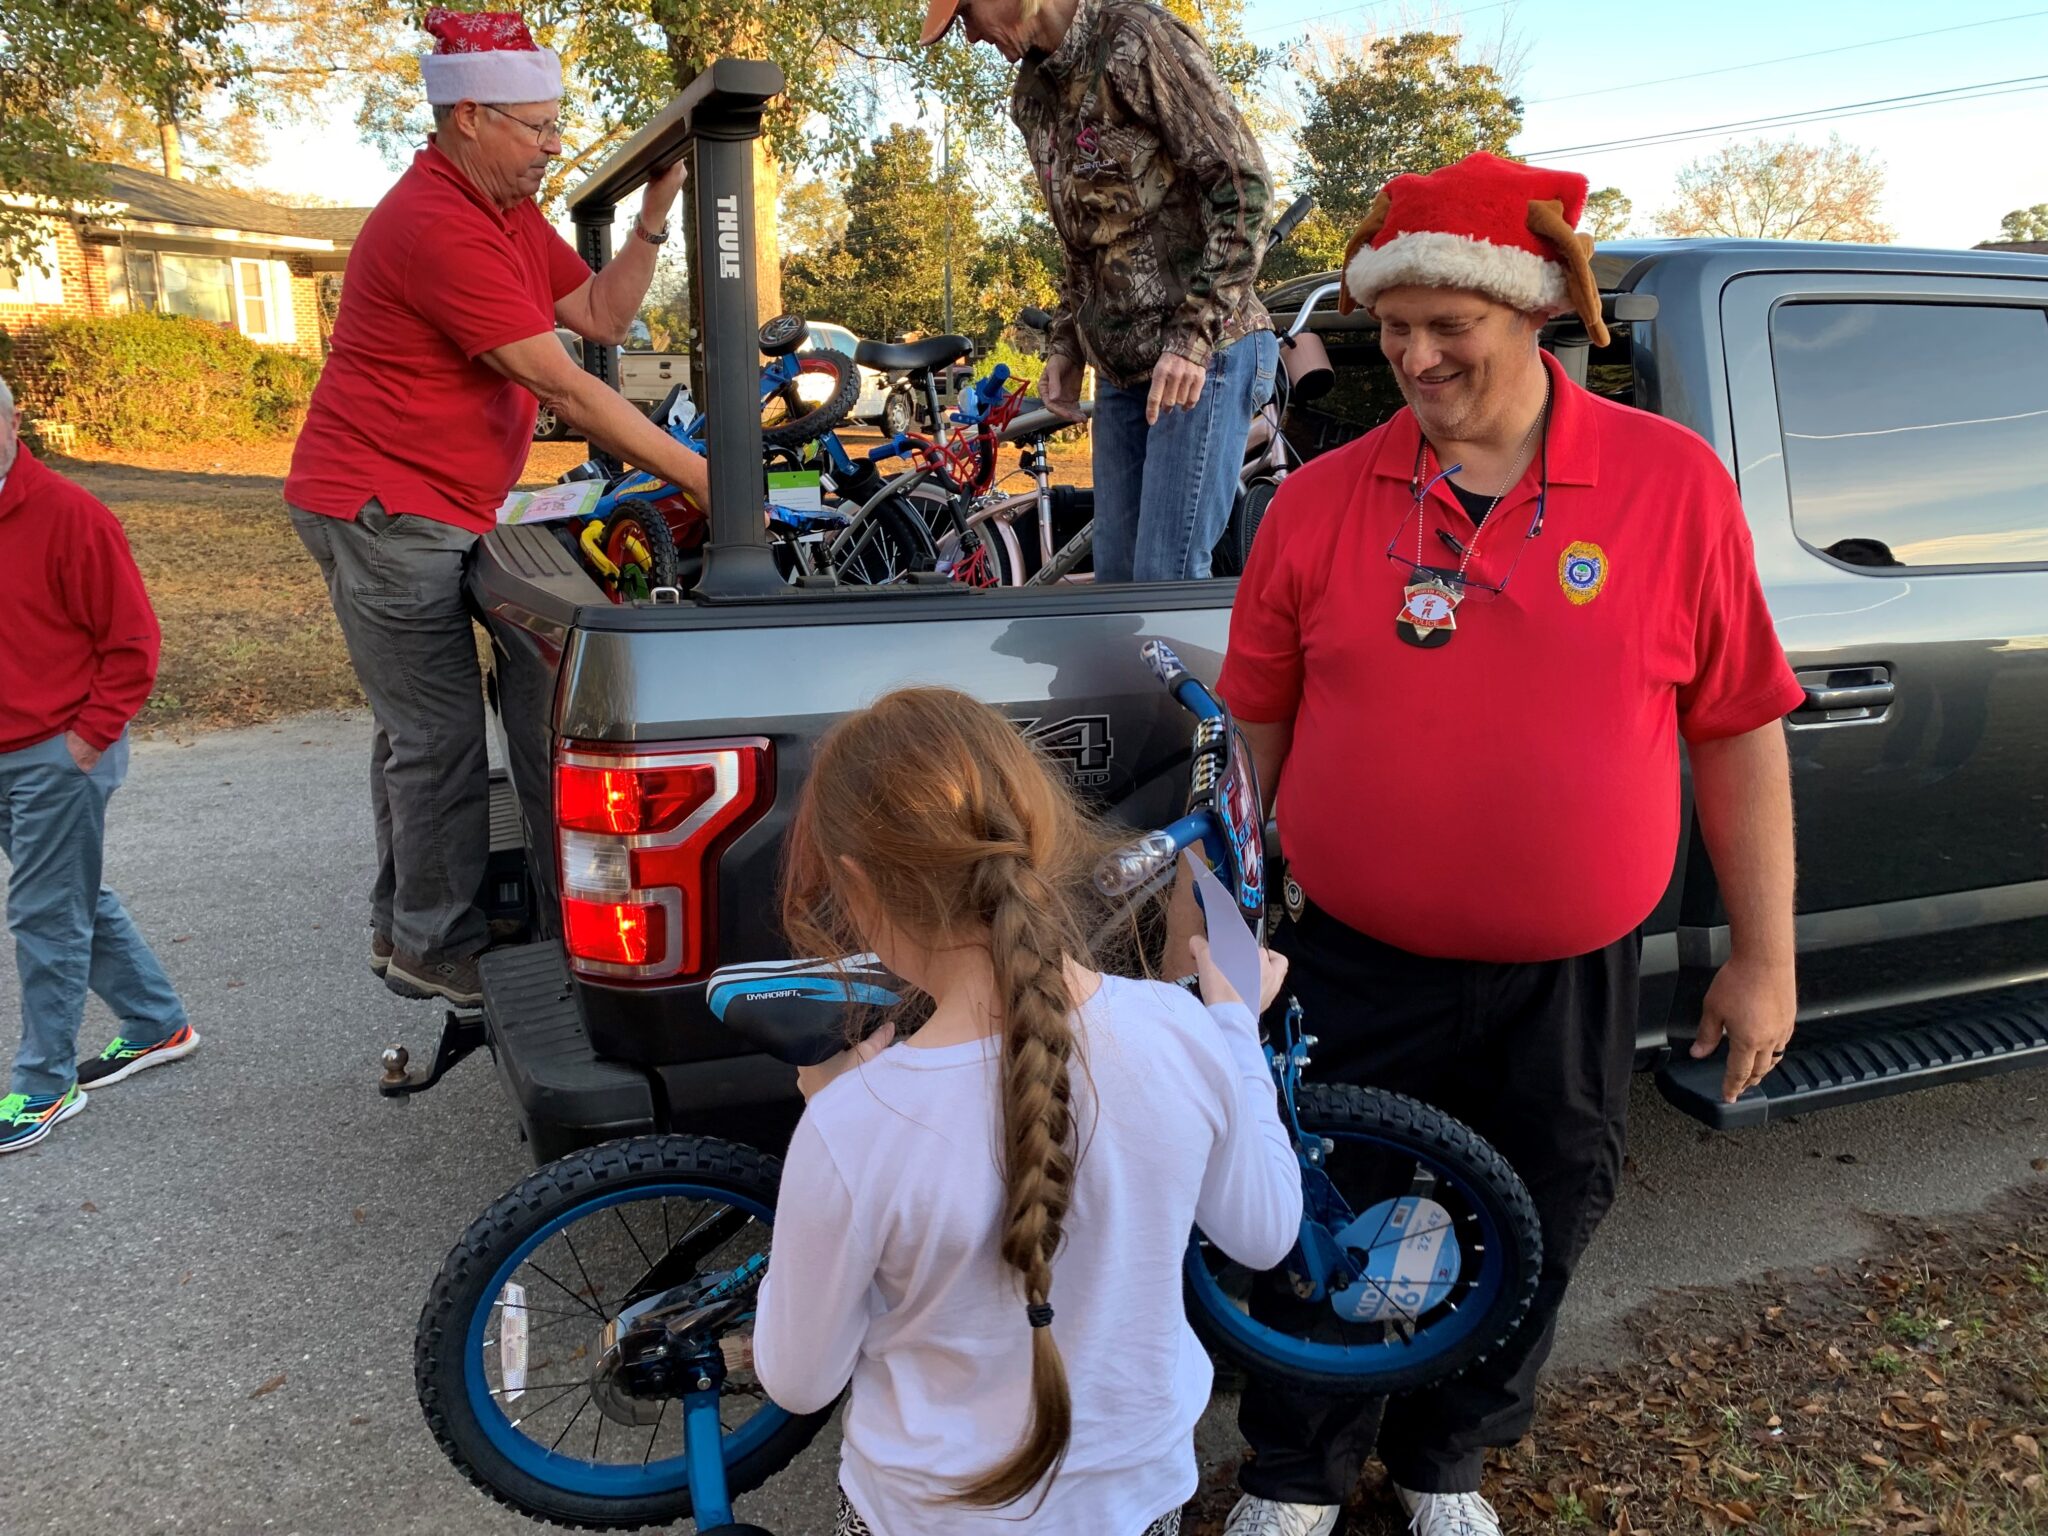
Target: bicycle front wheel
x: 816, y: 401
x: 510, y: 1356
x: 1419, y: 1255
x: 891, y: 544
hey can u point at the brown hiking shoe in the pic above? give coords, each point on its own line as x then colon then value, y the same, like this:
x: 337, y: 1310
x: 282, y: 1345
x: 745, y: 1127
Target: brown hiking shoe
x: 454, y: 980
x: 380, y: 953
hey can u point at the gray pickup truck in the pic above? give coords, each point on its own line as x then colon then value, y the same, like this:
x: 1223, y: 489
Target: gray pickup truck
x: 1886, y: 414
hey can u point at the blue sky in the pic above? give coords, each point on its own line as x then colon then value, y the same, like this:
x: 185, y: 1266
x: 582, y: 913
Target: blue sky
x: 1953, y: 168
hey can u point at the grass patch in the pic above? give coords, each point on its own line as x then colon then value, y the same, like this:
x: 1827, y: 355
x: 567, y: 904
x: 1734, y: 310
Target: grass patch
x: 1906, y: 1394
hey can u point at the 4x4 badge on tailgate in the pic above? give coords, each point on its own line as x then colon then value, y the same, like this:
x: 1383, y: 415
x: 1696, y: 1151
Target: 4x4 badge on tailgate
x: 1080, y: 743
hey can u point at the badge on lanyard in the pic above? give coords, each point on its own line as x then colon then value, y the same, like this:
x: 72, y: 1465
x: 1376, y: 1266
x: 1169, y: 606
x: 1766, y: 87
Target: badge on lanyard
x: 1429, y: 612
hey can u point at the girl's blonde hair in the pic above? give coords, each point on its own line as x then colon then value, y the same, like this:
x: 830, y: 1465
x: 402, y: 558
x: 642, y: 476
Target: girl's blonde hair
x: 965, y: 835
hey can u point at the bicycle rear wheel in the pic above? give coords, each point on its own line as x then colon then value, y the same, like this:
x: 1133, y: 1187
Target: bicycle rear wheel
x: 1420, y: 1255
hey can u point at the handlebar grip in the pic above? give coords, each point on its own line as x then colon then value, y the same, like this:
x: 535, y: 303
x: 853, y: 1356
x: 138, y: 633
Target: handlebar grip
x: 1289, y: 220
x: 1034, y: 317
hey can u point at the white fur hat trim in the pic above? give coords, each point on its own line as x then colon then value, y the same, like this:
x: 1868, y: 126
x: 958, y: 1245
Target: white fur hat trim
x: 1431, y: 259
x: 499, y: 76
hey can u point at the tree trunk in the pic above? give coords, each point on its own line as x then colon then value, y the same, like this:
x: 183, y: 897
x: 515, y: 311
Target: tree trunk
x: 767, y: 235
x: 173, y: 146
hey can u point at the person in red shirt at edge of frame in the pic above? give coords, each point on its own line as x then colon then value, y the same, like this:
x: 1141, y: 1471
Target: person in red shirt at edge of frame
x: 419, y: 426
x: 1463, y: 653
x: 79, y: 661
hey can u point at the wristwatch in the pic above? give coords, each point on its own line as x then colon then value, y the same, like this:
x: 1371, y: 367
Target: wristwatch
x: 650, y: 239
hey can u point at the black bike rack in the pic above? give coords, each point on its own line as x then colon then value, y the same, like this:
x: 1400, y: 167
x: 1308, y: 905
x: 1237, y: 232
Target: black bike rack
x: 715, y: 123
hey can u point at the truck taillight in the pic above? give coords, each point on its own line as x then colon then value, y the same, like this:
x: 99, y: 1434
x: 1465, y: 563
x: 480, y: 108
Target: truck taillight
x: 639, y: 832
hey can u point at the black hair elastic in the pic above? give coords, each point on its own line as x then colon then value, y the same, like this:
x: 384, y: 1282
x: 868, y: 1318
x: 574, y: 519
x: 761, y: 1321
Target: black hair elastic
x: 1040, y: 1315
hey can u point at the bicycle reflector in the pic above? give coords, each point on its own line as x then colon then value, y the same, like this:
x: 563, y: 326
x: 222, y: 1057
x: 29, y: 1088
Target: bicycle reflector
x: 639, y: 835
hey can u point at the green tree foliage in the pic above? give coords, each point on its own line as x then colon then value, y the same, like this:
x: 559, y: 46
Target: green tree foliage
x: 813, y: 214
x: 885, y: 276
x: 1607, y: 214
x: 53, y: 51
x: 2025, y: 224
x: 1396, y: 105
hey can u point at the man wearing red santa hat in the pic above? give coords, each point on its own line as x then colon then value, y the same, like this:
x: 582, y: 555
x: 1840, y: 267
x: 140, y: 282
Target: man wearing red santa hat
x: 419, y: 426
x: 1465, y: 651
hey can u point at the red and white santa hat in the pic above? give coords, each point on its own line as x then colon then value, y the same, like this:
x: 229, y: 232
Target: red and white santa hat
x: 487, y: 56
x: 1494, y: 226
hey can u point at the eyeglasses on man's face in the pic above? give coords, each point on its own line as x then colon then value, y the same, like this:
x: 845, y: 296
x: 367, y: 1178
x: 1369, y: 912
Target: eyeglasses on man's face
x: 551, y: 128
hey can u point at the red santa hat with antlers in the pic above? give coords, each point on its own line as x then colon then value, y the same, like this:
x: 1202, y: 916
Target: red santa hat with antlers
x: 1494, y: 226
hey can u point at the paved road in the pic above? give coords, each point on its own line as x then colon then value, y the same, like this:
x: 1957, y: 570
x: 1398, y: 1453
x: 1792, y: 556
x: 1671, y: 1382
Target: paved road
x: 260, y: 1213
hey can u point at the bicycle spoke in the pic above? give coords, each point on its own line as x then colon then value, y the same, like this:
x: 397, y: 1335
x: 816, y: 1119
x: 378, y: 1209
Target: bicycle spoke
x: 656, y: 1435
x: 597, y: 1298
x: 631, y: 1238
x: 571, y: 1425
x: 551, y: 1280
x: 535, y: 1411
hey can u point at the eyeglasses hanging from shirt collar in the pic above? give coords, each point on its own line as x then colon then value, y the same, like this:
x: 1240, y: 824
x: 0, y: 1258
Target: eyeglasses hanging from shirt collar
x: 1462, y: 574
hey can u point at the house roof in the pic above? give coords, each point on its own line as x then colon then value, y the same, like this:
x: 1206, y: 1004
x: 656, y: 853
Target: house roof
x: 2014, y: 245
x: 159, y: 199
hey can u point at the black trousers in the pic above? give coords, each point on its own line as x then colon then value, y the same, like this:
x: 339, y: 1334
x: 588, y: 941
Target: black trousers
x: 1537, y: 1059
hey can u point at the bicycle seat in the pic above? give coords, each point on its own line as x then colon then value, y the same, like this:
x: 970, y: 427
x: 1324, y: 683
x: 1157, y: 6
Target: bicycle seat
x: 1036, y: 421
x: 799, y: 1011
x: 910, y: 356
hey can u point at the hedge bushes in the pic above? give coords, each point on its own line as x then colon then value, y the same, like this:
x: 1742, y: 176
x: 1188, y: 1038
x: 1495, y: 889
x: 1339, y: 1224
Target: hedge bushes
x: 141, y: 379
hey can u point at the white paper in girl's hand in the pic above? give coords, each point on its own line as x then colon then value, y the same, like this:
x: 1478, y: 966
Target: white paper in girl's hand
x: 1231, y: 944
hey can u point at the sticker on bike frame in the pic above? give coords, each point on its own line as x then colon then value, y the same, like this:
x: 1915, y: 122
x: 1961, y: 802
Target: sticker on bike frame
x: 1412, y: 1260
x: 512, y: 1326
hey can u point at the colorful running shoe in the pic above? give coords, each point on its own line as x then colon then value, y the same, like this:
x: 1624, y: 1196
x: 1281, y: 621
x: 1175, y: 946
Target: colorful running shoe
x: 122, y: 1058
x: 26, y: 1119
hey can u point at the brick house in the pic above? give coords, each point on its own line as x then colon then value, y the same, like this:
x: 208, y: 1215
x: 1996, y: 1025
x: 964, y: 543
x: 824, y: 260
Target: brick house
x: 154, y: 243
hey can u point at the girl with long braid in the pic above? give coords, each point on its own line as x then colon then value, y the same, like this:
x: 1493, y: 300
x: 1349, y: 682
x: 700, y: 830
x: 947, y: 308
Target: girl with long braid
x: 982, y: 1227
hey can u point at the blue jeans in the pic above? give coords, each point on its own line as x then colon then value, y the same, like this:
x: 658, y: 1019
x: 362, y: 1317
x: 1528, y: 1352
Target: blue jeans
x: 71, y: 933
x: 1163, y: 493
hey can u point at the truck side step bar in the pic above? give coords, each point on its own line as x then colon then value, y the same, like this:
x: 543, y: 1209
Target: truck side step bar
x: 1872, y: 1055
x: 566, y: 1097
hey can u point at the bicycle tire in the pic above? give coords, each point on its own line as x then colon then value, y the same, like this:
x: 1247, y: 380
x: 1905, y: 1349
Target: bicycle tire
x: 814, y: 424
x: 1234, y: 550
x: 1485, y: 1180
x: 663, y: 557
x: 468, y: 1278
x: 898, y: 546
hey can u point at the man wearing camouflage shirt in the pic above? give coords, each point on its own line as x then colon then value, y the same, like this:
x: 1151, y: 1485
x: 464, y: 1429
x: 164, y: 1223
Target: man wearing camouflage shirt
x: 1160, y: 196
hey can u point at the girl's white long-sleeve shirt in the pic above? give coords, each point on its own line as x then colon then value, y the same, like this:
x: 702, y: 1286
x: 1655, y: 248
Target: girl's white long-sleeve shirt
x: 885, y: 1268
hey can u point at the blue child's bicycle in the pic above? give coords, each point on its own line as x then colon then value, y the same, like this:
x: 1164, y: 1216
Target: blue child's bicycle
x: 643, y: 537
x: 582, y: 1355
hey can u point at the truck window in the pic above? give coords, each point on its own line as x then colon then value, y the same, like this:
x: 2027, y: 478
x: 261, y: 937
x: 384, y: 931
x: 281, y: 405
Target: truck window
x: 1915, y: 434
x: 1364, y: 395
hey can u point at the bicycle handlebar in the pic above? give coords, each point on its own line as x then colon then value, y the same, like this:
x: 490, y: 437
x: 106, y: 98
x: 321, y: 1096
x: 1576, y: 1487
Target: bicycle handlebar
x: 1289, y: 220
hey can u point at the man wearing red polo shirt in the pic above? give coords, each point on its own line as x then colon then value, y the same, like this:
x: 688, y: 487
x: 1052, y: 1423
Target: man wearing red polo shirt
x: 420, y: 425
x: 1464, y: 652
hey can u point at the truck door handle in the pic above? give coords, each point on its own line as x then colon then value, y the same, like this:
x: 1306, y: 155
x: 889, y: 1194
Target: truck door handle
x: 1845, y: 696
x: 1861, y: 696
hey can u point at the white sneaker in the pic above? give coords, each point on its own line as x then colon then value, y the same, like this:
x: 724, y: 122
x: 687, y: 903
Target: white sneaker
x: 1448, y: 1514
x: 1264, y: 1517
